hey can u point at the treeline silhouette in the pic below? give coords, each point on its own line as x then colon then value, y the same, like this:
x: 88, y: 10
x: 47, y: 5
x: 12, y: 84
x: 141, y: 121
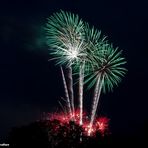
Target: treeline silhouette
x: 51, y: 134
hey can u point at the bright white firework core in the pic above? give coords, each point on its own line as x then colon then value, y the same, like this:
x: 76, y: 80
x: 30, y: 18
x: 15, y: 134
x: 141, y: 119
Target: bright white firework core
x: 73, y: 54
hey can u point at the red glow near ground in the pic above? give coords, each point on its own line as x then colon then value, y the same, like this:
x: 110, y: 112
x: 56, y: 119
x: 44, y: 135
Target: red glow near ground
x: 100, y: 124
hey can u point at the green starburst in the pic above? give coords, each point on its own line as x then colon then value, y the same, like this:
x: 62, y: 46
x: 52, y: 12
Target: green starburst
x: 108, y: 63
x: 65, y: 37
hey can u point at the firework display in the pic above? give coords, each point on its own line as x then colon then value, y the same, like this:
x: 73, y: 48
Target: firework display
x: 83, y: 50
x: 65, y: 37
x: 107, y: 72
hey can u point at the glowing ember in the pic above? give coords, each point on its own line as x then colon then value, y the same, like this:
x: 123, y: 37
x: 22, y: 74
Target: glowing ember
x: 100, y: 125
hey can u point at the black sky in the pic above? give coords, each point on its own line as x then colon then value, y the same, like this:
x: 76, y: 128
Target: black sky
x: 30, y: 85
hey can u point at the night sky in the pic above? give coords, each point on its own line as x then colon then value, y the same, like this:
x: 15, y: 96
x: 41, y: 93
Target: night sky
x: 30, y: 85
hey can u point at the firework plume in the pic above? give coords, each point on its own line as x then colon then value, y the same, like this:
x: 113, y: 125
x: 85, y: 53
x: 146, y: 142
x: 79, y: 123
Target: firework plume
x: 83, y: 50
x: 65, y: 37
x: 107, y: 72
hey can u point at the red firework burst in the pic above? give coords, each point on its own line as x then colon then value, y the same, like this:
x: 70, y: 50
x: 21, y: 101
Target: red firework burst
x: 100, y: 125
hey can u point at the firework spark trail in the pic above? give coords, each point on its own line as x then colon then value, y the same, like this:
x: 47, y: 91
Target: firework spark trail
x: 81, y: 78
x: 96, y: 97
x: 66, y: 92
x: 99, y: 92
x: 70, y: 89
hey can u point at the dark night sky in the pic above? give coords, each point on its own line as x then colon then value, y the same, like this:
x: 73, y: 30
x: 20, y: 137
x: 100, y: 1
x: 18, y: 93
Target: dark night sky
x: 30, y: 85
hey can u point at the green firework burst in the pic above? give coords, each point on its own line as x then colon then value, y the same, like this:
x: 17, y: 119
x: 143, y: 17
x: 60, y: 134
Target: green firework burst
x: 93, y: 41
x: 65, y: 37
x: 108, y: 63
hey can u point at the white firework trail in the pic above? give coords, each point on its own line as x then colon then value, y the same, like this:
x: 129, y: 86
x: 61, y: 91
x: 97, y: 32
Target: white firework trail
x: 66, y: 93
x: 70, y: 90
x: 96, y: 98
x: 81, y: 81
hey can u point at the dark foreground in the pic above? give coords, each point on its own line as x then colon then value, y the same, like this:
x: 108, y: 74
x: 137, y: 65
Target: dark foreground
x: 43, y: 134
